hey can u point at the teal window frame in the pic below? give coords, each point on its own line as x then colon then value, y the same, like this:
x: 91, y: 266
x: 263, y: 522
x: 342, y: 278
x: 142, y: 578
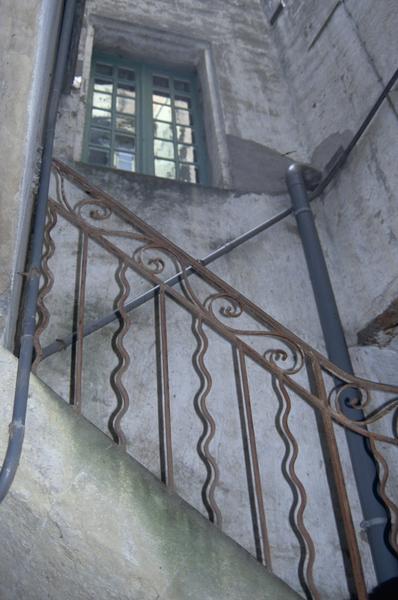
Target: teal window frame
x: 184, y: 120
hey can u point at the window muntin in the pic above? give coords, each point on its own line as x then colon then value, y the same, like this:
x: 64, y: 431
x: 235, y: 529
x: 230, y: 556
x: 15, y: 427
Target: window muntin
x: 111, y: 138
x: 173, y: 127
x: 145, y: 119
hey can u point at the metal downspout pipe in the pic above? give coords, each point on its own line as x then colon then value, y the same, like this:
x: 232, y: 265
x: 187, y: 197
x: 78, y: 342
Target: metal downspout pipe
x: 299, y: 178
x: 17, y: 425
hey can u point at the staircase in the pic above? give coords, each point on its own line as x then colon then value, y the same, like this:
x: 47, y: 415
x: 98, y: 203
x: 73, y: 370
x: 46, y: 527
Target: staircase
x: 229, y: 409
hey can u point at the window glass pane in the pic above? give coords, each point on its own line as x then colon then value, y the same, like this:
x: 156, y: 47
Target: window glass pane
x: 182, y: 86
x: 162, y: 112
x: 161, y: 82
x: 161, y: 98
x: 104, y: 69
x: 126, y: 74
x: 126, y: 89
x: 125, y: 105
x: 101, y: 118
x: 163, y: 149
x: 183, y: 117
x: 102, y: 100
x: 102, y: 85
x: 125, y: 123
x: 124, y: 142
x: 185, y: 135
x: 189, y: 173
x: 124, y: 160
x: 187, y: 153
x: 181, y: 102
x: 165, y: 168
x: 163, y: 130
x: 100, y: 137
x: 99, y: 157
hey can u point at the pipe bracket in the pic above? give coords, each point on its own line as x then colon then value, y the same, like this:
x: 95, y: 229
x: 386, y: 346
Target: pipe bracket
x: 376, y: 521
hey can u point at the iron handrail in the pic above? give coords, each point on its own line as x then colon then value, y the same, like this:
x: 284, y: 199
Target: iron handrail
x: 97, y: 217
x: 191, y: 264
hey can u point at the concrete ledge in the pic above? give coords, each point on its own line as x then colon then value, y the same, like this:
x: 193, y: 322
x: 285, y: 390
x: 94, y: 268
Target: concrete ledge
x: 83, y: 520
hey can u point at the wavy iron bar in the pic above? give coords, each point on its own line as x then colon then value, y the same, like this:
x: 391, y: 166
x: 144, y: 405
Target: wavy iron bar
x: 299, y: 375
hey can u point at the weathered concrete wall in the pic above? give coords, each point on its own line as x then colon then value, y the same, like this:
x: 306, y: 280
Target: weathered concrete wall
x: 27, y: 36
x: 248, y: 87
x: 83, y: 520
x: 337, y: 57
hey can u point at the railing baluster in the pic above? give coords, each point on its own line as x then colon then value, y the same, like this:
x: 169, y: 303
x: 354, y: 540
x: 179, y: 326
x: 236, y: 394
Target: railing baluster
x: 43, y: 313
x: 209, y: 425
x: 296, y: 517
x: 339, y: 484
x: 257, y: 505
x: 383, y: 474
x: 116, y: 378
x: 77, y: 367
x: 164, y: 409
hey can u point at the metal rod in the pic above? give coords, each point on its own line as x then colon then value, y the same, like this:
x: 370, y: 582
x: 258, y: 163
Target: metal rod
x: 81, y: 300
x: 364, y: 467
x: 17, y: 426
x: 277, y: 12
x: 257, y: 504
x: 164, y: 404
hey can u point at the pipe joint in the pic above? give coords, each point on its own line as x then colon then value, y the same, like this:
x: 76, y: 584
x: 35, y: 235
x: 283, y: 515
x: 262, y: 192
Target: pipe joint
x: 302, y: 210
x: 299, y: 174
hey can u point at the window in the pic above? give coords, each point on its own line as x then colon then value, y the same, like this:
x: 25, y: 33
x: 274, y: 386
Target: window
x: 145, y: 119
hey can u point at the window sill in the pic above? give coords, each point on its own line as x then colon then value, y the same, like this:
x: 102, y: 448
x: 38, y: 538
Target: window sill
x: 152, y: 180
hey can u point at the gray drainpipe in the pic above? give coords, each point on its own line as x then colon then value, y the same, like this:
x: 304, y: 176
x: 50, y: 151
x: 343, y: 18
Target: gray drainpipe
x: 17, y: 425
x: 300, y: 178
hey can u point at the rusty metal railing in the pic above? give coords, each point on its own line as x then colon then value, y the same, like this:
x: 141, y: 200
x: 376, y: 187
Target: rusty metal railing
x: 239, y: 366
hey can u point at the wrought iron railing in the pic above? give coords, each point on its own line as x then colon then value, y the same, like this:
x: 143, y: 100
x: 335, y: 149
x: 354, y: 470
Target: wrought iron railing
x: 276, y: 399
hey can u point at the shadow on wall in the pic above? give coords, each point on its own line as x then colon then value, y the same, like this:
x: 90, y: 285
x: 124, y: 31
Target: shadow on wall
x: 385, y: 591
